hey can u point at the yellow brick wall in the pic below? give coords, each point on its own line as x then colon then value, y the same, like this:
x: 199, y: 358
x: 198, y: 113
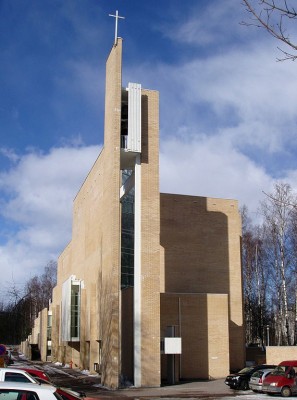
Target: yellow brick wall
x: 43, y: 334
x: 200, y: 241
x: 201, y: 320
x: 150, y: 248
x: 277, y: 354
x: 199, y: 253
x: 93, y: 255
x: 94, y: 252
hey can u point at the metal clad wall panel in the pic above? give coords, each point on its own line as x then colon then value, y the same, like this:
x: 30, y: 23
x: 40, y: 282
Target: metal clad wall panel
x: 134, y: 117
x: 66, y: 309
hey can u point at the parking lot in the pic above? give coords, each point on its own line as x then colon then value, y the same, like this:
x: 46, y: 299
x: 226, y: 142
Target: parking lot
x: 90, y: 384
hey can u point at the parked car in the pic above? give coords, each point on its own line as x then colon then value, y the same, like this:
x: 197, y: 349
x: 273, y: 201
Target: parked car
x: 241, y: 379
x: 19, y: 375
x: 15, y: 375
x: 257, y: 379
x: 36, y: 373
x: 282, y: 379
x: 68, y: 394
x: 27, y: 391
x: 74, y: 392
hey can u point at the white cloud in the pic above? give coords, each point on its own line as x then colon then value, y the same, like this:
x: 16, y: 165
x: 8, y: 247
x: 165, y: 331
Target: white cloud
x: 212, y: 25
x: 37, y: 195
x: 242, y: 95
x: 211, y: 167
x: 10, y: 154
x: 227, y: 107
x: 248, y: 91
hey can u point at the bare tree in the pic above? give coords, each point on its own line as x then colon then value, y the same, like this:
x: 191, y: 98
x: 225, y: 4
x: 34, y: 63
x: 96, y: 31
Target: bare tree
x: 255, y: 280
x: 278, y: 216
x: 40, y: 287
x: 294, y: 243
x: 276, y: 17
x: 18, y: 314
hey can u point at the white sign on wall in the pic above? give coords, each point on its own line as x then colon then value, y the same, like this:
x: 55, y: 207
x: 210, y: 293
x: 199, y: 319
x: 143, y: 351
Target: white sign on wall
x: 172, y: 345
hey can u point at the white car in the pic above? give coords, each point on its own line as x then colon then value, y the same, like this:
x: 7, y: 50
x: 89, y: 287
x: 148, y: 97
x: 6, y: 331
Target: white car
x: 15, y: 375
x: 257, y: 379
x: 27, y: 391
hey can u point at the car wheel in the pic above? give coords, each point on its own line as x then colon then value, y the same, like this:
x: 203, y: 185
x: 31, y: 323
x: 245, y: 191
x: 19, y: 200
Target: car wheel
x: 245, y: 385
x: 286, y: 391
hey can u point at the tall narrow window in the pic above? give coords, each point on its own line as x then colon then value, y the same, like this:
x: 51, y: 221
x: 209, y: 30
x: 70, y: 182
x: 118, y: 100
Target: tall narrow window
x: 70, y: 310
x: 124, y: 119
x: 49, y: 327
x: 127, y: 237
x: 75, y: 309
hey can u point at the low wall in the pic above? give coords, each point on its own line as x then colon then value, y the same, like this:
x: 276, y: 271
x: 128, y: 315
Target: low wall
x: 277, y: 354
x: 255, y: 355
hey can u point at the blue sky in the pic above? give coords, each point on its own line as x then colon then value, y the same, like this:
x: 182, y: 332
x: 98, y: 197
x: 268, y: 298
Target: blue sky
x: 227, y: 109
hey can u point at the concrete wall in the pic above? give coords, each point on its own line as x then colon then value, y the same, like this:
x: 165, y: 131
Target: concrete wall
x: 150, y: 244
x: 200, y: 239
x: 25, y: 348
x: 42, y: 344
x: 38, y: 337
x: 201, y: 320
x: 277, y: 354
x: 35, y: 331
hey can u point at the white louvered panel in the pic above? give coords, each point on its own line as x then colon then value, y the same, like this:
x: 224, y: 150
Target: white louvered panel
x: 134, y: 117
x: 66, y: 309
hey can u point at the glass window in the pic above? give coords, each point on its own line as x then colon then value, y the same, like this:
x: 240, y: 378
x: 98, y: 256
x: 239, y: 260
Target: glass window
x: 75, y: 300
x: 15, y: 377
x: 127, y: 241
x: 10, y: 394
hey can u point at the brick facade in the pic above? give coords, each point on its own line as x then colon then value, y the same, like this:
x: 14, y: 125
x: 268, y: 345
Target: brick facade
x: 189, y: 257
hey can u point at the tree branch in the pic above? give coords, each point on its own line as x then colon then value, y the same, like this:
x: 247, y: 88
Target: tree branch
x: 263, y: 19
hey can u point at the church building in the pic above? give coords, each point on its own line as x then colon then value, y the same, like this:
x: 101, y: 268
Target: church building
x: 149, y: 289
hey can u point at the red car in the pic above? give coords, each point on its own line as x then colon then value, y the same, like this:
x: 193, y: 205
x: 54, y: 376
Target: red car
x: 68, y: 394
x: 65, y: 393
x: 36, y: 373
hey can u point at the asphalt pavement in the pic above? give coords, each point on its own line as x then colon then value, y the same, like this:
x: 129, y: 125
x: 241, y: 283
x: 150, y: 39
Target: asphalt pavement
x: 91, y: 385
x: 197, y: 389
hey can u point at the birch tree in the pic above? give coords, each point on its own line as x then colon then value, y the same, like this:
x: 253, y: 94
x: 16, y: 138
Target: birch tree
x: 278, y: 211
x: 255, y: 280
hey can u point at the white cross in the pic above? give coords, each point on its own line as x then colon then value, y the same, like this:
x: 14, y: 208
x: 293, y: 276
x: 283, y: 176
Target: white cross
x: 116, y: 25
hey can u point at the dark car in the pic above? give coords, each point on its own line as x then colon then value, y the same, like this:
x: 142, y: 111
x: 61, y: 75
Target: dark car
x: 241, y: 379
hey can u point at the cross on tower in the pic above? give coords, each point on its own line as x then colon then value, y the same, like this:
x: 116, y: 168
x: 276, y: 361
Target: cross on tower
x: 116, y: 25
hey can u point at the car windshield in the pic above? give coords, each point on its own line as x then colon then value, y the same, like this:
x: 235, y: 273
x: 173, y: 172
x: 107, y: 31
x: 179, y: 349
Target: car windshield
x: 281, y: 370
x: 245, y: 370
